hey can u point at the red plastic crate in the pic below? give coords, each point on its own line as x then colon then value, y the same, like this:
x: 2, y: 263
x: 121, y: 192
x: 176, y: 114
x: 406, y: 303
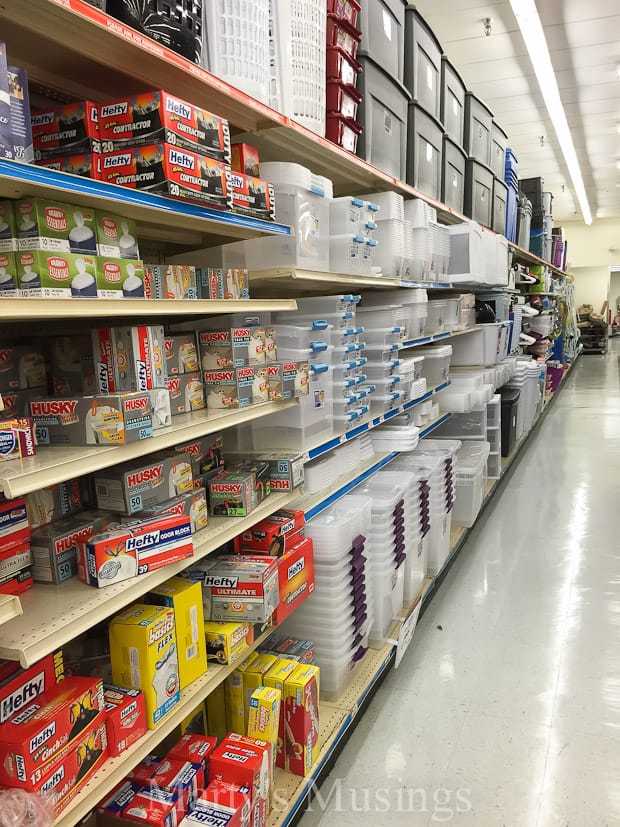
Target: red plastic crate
x: 344, y: 9
x: 343, y: 34
x: 343, y: 131
x: 341, y: 66
x: 342, y: 99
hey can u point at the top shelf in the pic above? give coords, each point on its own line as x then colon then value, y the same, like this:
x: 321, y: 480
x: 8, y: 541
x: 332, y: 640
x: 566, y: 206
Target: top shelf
x: 70, y: 46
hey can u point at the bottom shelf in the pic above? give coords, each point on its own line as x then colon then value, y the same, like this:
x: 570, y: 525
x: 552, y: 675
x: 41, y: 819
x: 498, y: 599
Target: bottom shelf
x: 337, y: 718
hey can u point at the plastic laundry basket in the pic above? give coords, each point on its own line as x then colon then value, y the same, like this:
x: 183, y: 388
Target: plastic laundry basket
x: 238, y: 44
x: 297, y: 46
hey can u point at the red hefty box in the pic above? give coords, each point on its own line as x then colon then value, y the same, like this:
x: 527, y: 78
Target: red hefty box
x: 47, y: 728
x: 86, y: 165
x: 61, y: 781
x: 143, y: 772
x: 155, y: 807
x: 14, y: 527
x: 253, y: 196
x: 244, y: 159
x: 182, y: 777
x: 295, y: 577
x: 273, y: 534
x: 126, y: 717
x: 232, y: 796
x: 168, y: 170
x: 20, y: 687
x: 66, y: 130
x: 17, y: 584
x: 196, y: 749
x: 157, y: 117
x: 245, y: 763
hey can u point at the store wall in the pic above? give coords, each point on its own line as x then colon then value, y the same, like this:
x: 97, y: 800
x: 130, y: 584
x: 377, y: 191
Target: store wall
x: 591, y: 286
x: 595, y: 246
x: 591, y: 251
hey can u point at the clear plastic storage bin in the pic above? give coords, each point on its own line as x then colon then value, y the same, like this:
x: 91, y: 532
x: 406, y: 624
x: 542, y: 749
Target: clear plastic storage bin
x: 480, y: 347
x: 435, y: 317
x: 391, y: 205
x: 347, y: 216
x: 471, y: 466
x: 347, y: 254
x: 470, y: 425
x: 436, y: 365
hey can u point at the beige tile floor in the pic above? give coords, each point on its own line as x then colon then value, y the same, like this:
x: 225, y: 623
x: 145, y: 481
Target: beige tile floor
x: 509, y: 716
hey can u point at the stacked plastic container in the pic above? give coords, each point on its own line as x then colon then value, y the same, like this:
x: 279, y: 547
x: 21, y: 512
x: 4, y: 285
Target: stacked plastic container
x: 494, y: 437
x: 297, y: 60
x: 387, y: 552
x: 339, y: 615
x: 352, y: 243
x: 383, y: 110
x: 342, y: 69
x: 439, y: 456
x: 470, y: 481
x: 422, y: 77
x: 415, y: 307
x: 513, y: 201
x: 351, y: 388
x: 389, y: 256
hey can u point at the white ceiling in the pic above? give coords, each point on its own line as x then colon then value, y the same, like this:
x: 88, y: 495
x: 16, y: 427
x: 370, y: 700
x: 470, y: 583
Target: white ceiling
x: 584, y: 42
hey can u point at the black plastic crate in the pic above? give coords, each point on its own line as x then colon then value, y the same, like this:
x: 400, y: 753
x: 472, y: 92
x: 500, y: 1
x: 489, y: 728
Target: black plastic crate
x: 176, y: 24
x: 478, y: 192
x: 383, y: 116
x: 452, y: 112
x: 478, y: 125
x: 533, y: 189
x: 499, y: 142
x: 500, y: 198
x: 453, y: 161
x: 382, y: 23
x: 422, y: 63
x: 424, y: 151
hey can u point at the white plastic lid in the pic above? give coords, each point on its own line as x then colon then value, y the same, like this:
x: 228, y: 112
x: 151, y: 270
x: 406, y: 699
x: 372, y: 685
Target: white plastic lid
x: 436, y: 351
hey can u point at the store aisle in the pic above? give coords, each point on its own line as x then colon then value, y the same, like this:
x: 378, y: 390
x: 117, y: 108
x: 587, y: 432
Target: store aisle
x: 506, y: 710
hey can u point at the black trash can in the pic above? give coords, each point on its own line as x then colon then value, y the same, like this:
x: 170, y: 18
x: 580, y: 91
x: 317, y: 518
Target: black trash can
x: 510, y: 404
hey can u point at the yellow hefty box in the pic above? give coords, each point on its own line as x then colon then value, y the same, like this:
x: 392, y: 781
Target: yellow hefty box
x: 185, y: 599
x: 228, y: 642
x: 275, y: 679
x: 264, y: 715
x: 301, y: 722
x: 236, y: 712
x: 216, y: 713
x: 254, y: 678
x: 143, y: 653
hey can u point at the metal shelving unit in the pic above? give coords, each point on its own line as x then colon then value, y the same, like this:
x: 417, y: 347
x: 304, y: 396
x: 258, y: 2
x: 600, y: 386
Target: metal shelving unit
x: 70, y: 47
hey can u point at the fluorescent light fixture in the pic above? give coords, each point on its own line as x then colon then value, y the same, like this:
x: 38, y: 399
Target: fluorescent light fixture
x: 534, y: 36
x: 617, y: 164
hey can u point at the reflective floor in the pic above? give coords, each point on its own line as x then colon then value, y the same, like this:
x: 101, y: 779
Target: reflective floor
x: 506, y: 709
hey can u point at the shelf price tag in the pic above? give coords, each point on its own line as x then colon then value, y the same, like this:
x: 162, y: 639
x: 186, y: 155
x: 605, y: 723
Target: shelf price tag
x: 406, y: 633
